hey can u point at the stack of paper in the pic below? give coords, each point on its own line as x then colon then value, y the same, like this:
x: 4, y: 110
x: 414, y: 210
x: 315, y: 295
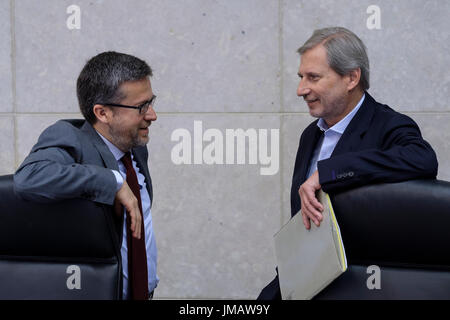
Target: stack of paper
x: 309, y: 260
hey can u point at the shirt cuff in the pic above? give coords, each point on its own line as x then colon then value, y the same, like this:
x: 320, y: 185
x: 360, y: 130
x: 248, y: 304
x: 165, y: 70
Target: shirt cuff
x: 119, y: 179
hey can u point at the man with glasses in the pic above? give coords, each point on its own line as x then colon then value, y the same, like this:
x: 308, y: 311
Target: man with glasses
x: 104, y: 159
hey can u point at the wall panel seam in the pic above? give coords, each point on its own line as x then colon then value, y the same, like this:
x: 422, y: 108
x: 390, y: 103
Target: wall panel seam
x: 280, y: 115
x: 13, y: 77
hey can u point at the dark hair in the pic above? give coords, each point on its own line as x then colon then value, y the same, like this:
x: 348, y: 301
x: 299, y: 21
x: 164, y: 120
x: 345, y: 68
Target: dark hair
x: 101, y: 77
x: 345, y: 51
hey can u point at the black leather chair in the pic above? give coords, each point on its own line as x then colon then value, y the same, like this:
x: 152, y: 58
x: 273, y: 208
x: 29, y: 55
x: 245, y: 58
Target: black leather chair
x: 40, y: 244
x: 404, y: 229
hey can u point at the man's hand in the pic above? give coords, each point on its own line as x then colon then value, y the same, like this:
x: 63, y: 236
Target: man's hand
x: 311, y: 207
x: 126, y: 197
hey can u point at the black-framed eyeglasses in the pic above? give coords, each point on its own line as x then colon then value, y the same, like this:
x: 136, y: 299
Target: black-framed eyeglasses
x: 143, y: 108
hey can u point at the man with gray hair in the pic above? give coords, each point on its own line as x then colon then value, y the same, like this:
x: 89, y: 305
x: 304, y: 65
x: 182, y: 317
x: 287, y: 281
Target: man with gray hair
x: 356, y: 141
x: 104, y: 159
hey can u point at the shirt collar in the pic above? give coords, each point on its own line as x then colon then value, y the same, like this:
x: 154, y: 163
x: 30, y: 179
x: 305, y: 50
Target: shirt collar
x: 117, y: 153
x: 341, y: 125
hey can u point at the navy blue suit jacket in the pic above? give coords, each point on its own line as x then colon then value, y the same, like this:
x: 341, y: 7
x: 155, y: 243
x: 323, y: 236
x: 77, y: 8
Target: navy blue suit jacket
x: 379, y: 145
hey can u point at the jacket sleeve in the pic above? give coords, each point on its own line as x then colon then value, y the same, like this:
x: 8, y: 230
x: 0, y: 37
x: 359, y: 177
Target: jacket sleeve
x: 403, y: 155
x: 53, y: 170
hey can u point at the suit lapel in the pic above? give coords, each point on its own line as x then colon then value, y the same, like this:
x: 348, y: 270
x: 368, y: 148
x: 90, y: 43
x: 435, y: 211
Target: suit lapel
x: 307, y: 150
x: 357, y: 128
x: 108, y: 159
x: 140, y: 158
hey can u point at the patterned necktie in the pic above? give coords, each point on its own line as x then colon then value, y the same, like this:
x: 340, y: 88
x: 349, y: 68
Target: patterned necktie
x: 137, y: 255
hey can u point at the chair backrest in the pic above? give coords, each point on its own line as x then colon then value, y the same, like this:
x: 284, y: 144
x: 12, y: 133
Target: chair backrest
x: 402, y: 228
x: 63, y: 250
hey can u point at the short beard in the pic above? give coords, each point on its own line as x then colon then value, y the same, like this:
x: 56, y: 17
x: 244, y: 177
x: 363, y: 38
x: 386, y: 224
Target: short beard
x: 123, y: 142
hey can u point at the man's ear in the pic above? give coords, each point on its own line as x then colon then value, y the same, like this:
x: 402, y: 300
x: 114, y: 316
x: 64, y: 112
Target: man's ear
x: 102, y: 113
x: 354, y: 77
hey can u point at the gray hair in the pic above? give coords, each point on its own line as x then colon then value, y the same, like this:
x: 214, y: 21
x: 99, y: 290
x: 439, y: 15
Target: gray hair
x: 345, y: 51
x: 101, y: 77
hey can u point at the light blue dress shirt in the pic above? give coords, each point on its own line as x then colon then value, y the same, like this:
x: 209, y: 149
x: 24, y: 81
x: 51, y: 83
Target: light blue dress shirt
x: 150, y: 242
x: 331, y: 137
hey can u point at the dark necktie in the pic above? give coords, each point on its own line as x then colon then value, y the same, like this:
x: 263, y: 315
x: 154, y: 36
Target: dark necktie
x: 137, y: 255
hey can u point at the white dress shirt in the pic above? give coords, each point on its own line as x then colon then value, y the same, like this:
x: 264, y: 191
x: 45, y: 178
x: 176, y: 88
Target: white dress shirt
x: 150, y: 242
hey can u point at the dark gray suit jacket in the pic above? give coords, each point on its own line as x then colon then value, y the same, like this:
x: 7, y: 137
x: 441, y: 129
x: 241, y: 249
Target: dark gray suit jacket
x: 70, y: 160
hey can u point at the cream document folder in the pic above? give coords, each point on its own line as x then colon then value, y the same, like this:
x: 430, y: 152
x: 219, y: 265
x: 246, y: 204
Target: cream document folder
x: 309, y: 260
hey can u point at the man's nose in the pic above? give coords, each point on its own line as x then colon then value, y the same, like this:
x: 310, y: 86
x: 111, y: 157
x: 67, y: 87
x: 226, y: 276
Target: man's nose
x: 302, y: 90
x: 150, y: 115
